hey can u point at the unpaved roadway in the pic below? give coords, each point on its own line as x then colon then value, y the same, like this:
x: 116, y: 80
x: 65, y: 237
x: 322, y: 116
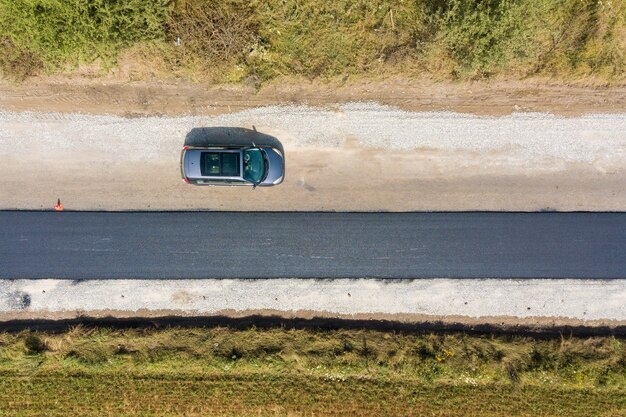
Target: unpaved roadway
x: 122, y: 96
x: 107, y: 145
x: 345, y: 157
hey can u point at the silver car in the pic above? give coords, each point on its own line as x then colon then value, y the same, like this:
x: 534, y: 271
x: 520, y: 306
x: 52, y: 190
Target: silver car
x: 248, y: 165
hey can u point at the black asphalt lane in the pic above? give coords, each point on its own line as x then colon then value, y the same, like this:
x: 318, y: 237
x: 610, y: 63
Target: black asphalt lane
x: 90, y: 245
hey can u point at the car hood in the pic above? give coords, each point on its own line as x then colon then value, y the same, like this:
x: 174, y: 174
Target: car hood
x: 276, y: 170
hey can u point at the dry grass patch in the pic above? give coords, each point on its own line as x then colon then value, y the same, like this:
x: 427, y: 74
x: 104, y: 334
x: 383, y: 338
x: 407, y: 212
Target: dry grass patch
x: 220, y: 371
x: 235, y: 40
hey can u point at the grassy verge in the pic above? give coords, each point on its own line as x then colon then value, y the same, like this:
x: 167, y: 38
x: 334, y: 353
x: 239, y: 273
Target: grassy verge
x: 219, y: 371
x: 233, y: 40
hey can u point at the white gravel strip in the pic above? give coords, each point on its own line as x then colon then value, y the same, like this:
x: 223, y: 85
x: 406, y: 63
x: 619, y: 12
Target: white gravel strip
x: 527, y: 135
x: 570, y: 298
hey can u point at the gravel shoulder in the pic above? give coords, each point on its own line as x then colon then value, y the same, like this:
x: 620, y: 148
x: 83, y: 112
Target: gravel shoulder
x: 341, y: 157
x: 541, y: 303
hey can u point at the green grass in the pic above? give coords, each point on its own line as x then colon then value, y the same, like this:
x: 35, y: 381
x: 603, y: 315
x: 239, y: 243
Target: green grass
x: 291, y: 395
x: 49, y: 35
x: 219, y: 371
x: 230, y: 40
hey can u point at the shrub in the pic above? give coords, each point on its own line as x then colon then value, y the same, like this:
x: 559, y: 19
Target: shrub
x: 216, y: 32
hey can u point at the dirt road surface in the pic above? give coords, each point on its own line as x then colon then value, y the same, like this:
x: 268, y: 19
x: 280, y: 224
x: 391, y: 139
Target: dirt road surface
x: 124, y: 97
x: 343, y: 157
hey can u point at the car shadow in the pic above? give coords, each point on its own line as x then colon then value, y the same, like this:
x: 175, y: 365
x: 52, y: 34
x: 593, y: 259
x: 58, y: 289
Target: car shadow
x: 230, y: 136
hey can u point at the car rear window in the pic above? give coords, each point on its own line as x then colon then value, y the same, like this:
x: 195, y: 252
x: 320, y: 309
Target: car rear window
x: 219, y: 164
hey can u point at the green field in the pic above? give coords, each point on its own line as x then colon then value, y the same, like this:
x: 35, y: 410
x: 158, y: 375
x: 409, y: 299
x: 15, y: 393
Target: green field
x: 277, y: 372
x: 235, y: 40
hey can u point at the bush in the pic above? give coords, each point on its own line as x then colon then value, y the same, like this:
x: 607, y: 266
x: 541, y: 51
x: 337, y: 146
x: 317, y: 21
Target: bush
x: 215, y: 31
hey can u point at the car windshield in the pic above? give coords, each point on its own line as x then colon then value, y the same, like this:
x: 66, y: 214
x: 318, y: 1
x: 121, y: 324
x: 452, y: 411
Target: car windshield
x: 253, y: 165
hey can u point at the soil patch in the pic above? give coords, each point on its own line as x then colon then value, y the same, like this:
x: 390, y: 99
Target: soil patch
x: 114, y: 96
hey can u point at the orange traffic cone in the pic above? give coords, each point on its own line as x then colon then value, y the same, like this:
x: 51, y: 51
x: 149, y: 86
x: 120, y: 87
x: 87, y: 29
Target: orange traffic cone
x: 58, y: 206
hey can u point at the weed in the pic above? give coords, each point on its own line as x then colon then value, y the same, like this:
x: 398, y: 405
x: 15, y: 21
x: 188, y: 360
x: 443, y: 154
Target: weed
x: 52, y: 35
x: 511, y: 370
x: 213, y: 34
x: 347, y: 346
x: 236, y: 40
x: 34, y: 344
x: 220, y: 371
x: 88, y: 353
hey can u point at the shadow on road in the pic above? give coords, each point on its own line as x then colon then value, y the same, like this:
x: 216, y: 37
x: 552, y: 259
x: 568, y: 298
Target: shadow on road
x: 316, y: 323
x: 230, y: 136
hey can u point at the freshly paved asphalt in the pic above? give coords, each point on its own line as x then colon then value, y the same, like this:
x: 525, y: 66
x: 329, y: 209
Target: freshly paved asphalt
x: 82, y: 245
